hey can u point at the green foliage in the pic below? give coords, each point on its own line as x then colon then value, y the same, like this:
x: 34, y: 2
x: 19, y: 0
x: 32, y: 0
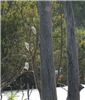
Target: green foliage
x: 14, y: 32
x: 14, y: 53
x: 56, y: 26
x: 81, y: 50
x: 12, y: 97
x: 79, y: 12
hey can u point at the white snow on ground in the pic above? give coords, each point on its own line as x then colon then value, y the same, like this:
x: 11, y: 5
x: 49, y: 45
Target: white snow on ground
x: 61, y: 94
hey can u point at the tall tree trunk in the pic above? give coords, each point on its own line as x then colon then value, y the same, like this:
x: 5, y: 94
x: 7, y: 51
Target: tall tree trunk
x: 72, y: 53
x: 46, y: 52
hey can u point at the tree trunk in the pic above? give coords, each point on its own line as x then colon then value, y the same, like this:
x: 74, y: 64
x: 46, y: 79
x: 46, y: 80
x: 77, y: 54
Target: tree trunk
x: 46, y: 52
x: 72, y: 53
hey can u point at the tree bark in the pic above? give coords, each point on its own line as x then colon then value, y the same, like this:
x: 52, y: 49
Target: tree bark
x: 46, y: 52
x: 72, y: 53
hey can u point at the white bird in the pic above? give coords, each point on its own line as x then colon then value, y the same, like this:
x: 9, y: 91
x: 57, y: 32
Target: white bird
x: 56, y: 71
x: 27, y: 46
x: 33, y: 29
x: 26, y: 66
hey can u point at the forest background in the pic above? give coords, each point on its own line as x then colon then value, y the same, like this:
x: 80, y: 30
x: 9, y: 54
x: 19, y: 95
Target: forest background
x: 17, y: 17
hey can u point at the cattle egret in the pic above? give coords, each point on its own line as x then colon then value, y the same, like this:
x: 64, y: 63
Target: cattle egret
x: 33, y: 29
x: 27, y: 46
x: 26, y: 66
x: 56, y: 71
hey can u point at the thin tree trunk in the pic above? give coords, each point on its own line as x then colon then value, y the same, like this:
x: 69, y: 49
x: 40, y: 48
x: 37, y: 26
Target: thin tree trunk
x: 72, y: 53
x: 46, y: 52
